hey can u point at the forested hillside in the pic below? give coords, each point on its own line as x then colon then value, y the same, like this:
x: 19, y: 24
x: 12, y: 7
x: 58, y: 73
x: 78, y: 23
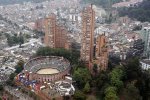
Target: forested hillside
x: 141, y: 12
x: 104, y: 3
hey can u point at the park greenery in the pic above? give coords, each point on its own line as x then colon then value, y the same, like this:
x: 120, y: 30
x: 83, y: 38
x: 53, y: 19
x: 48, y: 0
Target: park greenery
x: 19, y: 67
x: 14, y: 39
x: 82, y: 77
x: 79, y: 95
x: 127, y: 81
x: 140, y: 12
x: 71, y: 55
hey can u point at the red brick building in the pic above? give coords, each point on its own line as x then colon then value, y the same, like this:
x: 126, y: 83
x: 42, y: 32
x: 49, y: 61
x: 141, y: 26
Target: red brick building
x: 87, y: 41
x: 55, y: 34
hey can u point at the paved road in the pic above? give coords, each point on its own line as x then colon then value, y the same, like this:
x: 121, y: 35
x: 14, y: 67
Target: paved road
x: 25, y: 44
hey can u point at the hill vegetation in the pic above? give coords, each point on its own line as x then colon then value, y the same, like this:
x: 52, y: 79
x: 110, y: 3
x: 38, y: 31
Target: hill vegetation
x: 140, y: 12
x: 104, y: 3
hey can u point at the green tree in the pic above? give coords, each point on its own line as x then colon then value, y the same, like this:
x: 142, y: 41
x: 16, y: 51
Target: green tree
x: 104, y: 3
x: 71, y: 55
x: 1, y: 88
x: 27, y: 36
x: 79, y: 95
x: 115, y: 77
x: 132, y: 93
x: 81, y: 76
x: 11, y: 81
x: 12, y: 76
x: 95, y: 69
x: 143, y: 84
x: 87, y: 88
x: 133, y: 69
x: 140, y: 12
x: 101, y: 80
x: 21, y: 40
x: 111, y: 94
x: 20, y: 66
x: 12, y: 40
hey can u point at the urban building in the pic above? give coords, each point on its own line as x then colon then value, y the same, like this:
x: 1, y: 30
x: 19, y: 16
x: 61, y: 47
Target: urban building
x: 137, y: 49
x: 101, y: 52
x: 146, y: 38
x: 39, y: 25
x: 145, y: 64
x: 87, y: 40
x: 89, y: 55
x: 55, y: 34
x: 50, y: 73
x: 50, y: 30
x: 61, y: 40
x: 33, y: 66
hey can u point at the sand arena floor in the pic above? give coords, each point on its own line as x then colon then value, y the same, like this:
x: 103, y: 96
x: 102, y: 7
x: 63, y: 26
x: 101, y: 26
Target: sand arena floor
x: 47, y: 71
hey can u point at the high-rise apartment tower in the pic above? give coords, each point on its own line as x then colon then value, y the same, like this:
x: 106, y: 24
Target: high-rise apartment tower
x: 55, y: 34
x: 87, y: 41
x: 101, y: 53
x: 50, y: 31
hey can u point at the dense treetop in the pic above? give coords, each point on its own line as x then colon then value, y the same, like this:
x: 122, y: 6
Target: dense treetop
x: 71, y: 55
x: 140, y: 13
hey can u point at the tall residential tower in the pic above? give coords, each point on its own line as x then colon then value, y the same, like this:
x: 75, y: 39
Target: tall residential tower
x: 55, y: 34
x: 101, y: 53
x: 50, y: 31
x: 87, y: 41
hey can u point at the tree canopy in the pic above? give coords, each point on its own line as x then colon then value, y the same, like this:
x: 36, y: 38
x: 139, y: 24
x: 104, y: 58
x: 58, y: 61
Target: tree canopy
x: 87, y: 88
x: 13, y: 40
x: 104, y: 3
x: 71, y: 55
x: 79, y: 95
x: 140, y: 12
x: 110, y: 93
x: 115, y: 77
x: 81, y: 76
x: 19, y: 67
x: 131, y: 93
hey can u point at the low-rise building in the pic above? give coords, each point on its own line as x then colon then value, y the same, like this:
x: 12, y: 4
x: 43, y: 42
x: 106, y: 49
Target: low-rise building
x: 145, y: 64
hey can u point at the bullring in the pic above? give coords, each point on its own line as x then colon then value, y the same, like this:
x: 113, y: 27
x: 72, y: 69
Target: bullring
x: 47, y: 68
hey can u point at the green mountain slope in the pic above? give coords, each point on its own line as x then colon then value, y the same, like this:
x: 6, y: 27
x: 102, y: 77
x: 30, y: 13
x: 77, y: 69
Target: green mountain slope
x: 141, y: 12
x: 104, y: 3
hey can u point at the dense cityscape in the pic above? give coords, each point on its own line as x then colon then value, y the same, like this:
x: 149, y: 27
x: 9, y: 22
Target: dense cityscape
x: 75, y: 50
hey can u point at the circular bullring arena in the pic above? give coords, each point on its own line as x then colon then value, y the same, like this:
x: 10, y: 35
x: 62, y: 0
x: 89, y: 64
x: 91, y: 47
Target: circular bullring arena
x: 47, y: 68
